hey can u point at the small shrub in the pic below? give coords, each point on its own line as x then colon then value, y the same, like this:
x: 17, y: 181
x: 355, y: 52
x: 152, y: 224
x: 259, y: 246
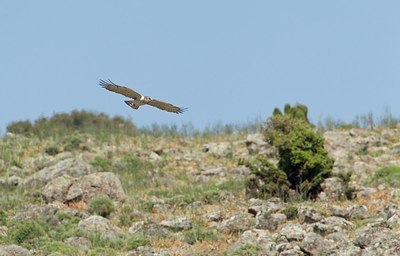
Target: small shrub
x: 247, y: 250
x: 125, y: 218
x: 198, y: 234
x: 138, y: 240
x: 52, y: 150
x: 349, y: 191
x: 103, y: 251
x: 388, y: 174
x: 73, y: 143
x: 3, y: 217
x: 54, y: 247
x: 265, y: 180
x: 26, y: 230
x: 104, y: 164
x: 291, y: 212
x: 102, y: 206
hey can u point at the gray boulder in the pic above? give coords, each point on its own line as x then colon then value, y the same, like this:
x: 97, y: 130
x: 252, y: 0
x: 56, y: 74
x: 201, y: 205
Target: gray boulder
x: 14, y: 250
x: 67, y: 188
x: 261, y: 238
x: 270, y: 221
x: 333, y: 189
x: 100, y: 225
x: 237, y: 223
x: 34, y: 212
x: 78, y: 242
x: 177, y: 223
x: 315, y: 244
x: 72, y: 167
x: 223, y: 149
x: 308, y: 214
x: 292, y: 232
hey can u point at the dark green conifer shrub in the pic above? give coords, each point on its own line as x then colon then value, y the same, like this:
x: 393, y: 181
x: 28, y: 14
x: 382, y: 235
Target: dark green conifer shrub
x: 302, y: 155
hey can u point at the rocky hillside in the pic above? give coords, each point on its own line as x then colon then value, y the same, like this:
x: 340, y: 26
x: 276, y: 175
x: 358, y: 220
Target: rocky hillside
x: 174, y: 195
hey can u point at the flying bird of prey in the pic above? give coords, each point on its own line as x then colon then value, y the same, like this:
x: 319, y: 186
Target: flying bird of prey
x: 138, y: 99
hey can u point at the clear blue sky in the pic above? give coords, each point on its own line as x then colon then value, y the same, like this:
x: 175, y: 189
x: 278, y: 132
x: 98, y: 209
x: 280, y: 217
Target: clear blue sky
x: 228, y: 61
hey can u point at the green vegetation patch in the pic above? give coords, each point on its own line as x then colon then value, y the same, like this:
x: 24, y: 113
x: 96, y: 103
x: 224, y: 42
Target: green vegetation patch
x: 388, y: 174
x: 199, y: 233
x: 53, y: 247
x: 26, y: 230
x: 247, y: 250
x: 135, y: 241
x: 102, y: 205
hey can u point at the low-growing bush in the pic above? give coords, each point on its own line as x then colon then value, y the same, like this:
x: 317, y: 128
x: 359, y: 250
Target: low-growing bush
x: 247, y: 250
x: 387, y: 174
x: 102, y: 206
x: 135, y: 241
x: 265, y: 180
x: 3, y: 217
x: 25, y: 230
x: 199, y: 233
x: 291, y: 212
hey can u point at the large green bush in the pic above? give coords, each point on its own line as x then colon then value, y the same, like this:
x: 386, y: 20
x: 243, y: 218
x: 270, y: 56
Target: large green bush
x: 302, y: 155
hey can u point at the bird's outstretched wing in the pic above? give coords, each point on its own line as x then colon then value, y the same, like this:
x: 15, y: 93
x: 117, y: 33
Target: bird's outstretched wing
x: 166, y: 106
x: 120, y: 89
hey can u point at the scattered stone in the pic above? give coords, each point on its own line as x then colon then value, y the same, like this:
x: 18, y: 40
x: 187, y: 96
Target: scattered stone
x: 261, y: 238
x: 214, y: 216
x: 292, y: 232
x: 34, y: 212
x: 308, y: 214
x: 177, y: 223
x: 78, y: 242
x: 101, y: 225
x: 73, y: 167
x: 237, y: 223
x: 149, y: 228
x: 314, y: 244
x: 14, y: 250
x: 338, y: 211
x: 223, y: 149
x: 333, y: 189
x: 67, y: 188
x: 269, y: 221
x: 358, y: 212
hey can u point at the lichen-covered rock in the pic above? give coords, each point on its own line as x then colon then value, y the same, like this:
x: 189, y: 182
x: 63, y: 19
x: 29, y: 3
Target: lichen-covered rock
x: 14, y: 250
x: 270, y: 221
x: 256, y: 237
x: 237, y: 223
x: 78, y: 242
x: 34, y: 212
x: 177, y: 223
x: 66, y: 188
x: 105, y: 183
x: 223, y: 149
x: 333, y: 189
x: 308, y: 214
x: 292, y: 232
x: 98, y: 224
x: 72, y: 167
x: 315, y: 244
